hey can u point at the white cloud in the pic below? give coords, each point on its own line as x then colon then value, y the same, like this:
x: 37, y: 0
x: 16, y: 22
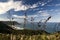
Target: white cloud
x: 39, y: 11
x: 34, y: 6
x: 43, y: 13
x: 51, y: 10
x: 32, y: 16
x: 17, y: 5
x: 22, y: 17
x: 16, y: 16
x: 29, y: 16
x: 4, y: 19
x: 57, y: 4
x: 42, y: 4
x: 5, y: 6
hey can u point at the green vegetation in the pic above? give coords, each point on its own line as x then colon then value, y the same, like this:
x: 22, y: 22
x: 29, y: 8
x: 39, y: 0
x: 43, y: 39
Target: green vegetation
x: 7, y: 33
x: 29, y: 35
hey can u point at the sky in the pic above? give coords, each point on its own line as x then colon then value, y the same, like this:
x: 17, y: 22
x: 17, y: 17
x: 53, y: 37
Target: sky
x: 38, y: 9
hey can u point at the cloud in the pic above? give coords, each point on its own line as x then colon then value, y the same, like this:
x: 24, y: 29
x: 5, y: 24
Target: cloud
x: 16, y: 16
x: 42, y: 4
x: 21, y: 18
x: 40, y: 15
x: 3, y: 0
x: 32, y: 16
x: 16, y: 5
x: 43, y: 13
x: 30, y: 2
x: 5, y: 6
x: 57, y: 4
x: 4, y: 19
x: 29, y: 16
x: 34, y: 6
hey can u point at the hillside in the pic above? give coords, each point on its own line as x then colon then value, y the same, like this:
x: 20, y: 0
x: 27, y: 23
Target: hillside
x: 5, y: 28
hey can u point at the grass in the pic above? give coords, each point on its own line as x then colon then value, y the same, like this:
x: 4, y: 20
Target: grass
x: 29, y: 35
x: 7, y: 33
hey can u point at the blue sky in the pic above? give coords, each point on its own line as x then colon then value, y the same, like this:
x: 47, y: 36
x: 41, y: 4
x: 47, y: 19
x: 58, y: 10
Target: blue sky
x: 38, y: 9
